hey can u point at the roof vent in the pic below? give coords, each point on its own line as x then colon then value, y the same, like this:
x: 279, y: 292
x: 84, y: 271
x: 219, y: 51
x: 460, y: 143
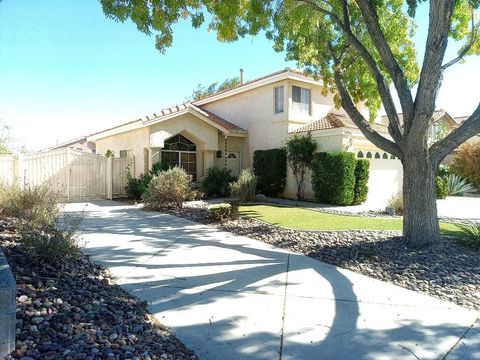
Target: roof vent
x: 241, y: 76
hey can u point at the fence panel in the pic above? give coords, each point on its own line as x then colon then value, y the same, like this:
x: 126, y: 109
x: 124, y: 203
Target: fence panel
x: 87, y: 176
x: 8, y: 169
x: 45, y: 168
x: 120, y: 167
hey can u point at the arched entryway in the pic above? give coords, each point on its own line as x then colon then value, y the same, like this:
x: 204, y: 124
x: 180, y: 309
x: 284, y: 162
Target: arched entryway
x: 179, y: 151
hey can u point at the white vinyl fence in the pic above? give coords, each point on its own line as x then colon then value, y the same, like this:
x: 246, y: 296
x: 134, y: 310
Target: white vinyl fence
x: 78, y: 175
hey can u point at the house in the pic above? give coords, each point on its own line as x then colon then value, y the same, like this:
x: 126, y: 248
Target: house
x: 224, y: 130
x: 81, y: 144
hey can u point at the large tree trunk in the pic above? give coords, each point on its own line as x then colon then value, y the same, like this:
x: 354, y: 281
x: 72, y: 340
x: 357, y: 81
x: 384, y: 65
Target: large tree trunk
x: 420, y: 220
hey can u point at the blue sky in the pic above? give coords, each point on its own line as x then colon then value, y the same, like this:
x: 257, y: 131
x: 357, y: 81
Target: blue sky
x: 66, y: 70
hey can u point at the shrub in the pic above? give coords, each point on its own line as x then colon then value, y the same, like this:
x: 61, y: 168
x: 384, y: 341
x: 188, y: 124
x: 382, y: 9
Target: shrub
x: 443, y: 170
x: 360, y: 192
x: 456, y: 185
x: 245, y: 186
x: 395, y: 204
x: 169, y: 188
x: 216, y: 182
x: 158, y: 167
x: 36, y: 205
x: 441, y: 187
x: 195, y: 194
x: 224, y: 212
x: 270, y: 168
x: 333, y: 177
x: 300, y: 150
x: 467, y: 162
x: 136, y: 187
x: 471, y: 235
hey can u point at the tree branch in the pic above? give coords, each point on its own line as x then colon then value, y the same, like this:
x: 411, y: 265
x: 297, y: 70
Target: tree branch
x: 464, y: 51
x: 471, y: 127
x: 370, y: 16
x: 364, y: 125
x: 394, y: 127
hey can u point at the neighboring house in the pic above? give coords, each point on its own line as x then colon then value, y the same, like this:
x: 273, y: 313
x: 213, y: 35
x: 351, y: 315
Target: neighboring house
x: 80, y: 143
x: 224, y: 130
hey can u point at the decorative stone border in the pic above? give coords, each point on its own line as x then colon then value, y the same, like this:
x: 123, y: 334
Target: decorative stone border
x: 8, y: 290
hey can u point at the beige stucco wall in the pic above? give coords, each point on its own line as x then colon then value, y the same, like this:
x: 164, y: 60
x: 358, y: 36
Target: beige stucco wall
x: 135, y: 140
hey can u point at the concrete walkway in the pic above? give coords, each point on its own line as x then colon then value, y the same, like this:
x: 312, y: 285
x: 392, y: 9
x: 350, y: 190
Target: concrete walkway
x: 231, y: 297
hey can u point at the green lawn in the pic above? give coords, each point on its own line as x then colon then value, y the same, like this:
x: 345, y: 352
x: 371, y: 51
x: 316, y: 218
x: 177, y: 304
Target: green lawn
x: 305, y: 219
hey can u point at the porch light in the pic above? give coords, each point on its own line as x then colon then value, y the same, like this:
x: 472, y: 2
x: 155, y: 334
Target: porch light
x: 219, y: 154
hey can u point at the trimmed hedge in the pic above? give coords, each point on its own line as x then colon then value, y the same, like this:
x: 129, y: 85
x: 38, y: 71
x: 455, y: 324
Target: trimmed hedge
x: 333, y: 177
x: 362, y: 172
x: 270, y: 168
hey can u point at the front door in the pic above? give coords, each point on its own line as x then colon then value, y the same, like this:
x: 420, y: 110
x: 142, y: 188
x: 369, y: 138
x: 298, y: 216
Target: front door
x: 233, y: 162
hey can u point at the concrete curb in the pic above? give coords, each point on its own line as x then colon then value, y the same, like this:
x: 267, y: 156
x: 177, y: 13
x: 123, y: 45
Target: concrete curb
x: 7, y: 308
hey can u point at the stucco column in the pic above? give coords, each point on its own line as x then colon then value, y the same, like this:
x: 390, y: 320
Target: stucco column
x: 150, y: 153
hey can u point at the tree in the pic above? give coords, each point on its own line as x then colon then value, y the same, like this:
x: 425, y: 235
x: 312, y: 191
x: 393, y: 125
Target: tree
x: 300, y: 150
x: 201, y: 91
x: 4, y: 139
x: 358, y: 48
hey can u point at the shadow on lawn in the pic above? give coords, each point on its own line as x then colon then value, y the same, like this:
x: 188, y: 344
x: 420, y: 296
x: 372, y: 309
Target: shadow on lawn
x: 244, y: 272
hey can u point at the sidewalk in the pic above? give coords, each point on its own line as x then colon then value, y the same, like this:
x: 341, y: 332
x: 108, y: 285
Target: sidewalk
x: 231, y: 297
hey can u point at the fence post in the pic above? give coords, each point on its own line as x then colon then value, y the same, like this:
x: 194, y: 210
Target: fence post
x: 68, y: 174
x: 110, y: 178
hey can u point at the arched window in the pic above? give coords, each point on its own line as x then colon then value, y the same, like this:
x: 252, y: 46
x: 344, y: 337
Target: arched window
x: 369, y: 155
x: 360, y: 155
x: 377, y: 155
x: 179, y: 151
x: 392, y: 157
x: 385, y: 156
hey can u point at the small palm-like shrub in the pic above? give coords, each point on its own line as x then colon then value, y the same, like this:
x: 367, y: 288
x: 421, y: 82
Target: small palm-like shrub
x: 457, y: 185
x: 216, y: 182
x: 136, y: 187
x: 245, y: 186
x: 470, y: 235
x: 169, y: 188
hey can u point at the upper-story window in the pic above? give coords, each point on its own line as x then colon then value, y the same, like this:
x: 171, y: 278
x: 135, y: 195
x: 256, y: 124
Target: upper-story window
x: 301, y: 100
x: 278, y: 99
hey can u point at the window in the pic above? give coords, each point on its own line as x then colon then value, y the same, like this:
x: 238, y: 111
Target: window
x: 360, y: 155
x: 301, y: 100
x: 369, y: 155
x: 385, y: 156
x: 125, y: 153
x: 179, y: 151
x: 278, y: 99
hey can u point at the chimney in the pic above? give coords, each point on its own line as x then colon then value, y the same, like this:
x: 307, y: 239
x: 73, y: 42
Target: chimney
x: 241, y: 76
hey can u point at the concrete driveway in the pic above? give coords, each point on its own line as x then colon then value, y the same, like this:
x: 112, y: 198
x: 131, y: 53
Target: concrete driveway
x: 231, y: 297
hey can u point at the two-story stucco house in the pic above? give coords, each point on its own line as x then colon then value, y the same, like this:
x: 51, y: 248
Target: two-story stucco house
x: 225, y: 129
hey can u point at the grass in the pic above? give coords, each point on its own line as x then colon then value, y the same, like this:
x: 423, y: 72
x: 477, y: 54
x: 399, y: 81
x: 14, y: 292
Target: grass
x: 305, y: 219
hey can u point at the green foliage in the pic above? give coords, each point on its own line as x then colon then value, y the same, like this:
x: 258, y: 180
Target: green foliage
x: 157, y: 167
x: 168, y: 189
x: 109, y: 153
x: 216, y: 182
x: 136, y: 187
x: 270, y: 168
x: 396, y: 204
x: 443, y: 170
x: 224, y: 212
x: 362, y: 172
x: 300, y: 150
x: 245, y: 187
x: 333, y: 177
x: 470, y: 235
x: 458, y: 186
x: 204, y: 91
x: 441, y: 186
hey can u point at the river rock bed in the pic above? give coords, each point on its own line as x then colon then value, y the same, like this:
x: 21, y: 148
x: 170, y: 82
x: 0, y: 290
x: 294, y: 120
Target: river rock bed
x: 73, y: 310
x: 450, y: 272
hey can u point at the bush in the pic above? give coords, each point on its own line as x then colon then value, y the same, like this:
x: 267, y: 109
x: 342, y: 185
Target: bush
x: 47, y: 233
x: 270, y: 168
x: 333, y: 177
x: 195, y: 194
x: 360, y: 192
x: 441, y: 187
x: 245, y: 186
x: 395, y: 204
x: 443, y: 170
x: 467, y: 162
x: 224, y: 212
x: 216, y: 182
x: 300, y: 150
x: 470, y: 235
x: 169, y: 188
x: 136, y: 187
x: 456, y: 185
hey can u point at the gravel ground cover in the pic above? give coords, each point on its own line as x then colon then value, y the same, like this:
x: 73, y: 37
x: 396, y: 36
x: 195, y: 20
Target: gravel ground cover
x: 450, y: 272
x: 73, y: 310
